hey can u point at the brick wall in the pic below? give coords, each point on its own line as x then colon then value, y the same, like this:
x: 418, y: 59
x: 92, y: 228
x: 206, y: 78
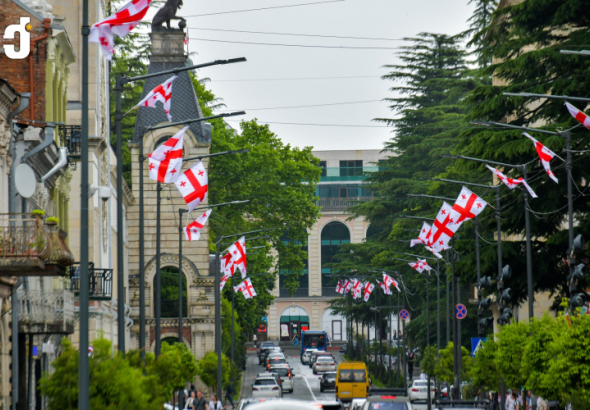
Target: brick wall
x: 17, y: 71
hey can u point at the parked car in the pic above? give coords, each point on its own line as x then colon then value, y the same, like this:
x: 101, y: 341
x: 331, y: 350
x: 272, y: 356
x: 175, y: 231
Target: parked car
x: 328, y: 381
x: 419, y: 390
x: 266, y: 387
x: 324, y: 364
x: 265, y: 352
x: 286, y: 375
x: 307, y: 355
x: 247, y: 401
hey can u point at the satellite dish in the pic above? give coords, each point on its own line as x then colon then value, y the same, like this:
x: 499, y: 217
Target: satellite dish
x: 25, y: 180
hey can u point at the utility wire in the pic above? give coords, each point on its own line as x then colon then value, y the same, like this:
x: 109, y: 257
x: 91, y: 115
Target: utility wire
x: 306, y: 106
x: 299, y: 79
x: 266, y: 8
x: 296, y: 45
x: 319, y: 125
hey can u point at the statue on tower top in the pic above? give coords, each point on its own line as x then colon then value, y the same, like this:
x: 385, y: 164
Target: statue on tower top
x: 167, y: 13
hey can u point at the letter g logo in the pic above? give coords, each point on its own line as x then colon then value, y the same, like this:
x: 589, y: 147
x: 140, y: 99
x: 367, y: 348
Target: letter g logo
x: 25, y: 39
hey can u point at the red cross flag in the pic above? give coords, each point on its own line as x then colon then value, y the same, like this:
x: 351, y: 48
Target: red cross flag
x: 193, y: 185
x: 121, y: 23
x: 545, y: 155
x: 340, y: 287
x: 386, y: 289
x: 193, y: 230
x: 238, y: 254
x: 578, y: 115
x: 435, y: 253
x: 368, y: 289
x: 467, y: 206
x: 388, y: 281
x: 162, y: 93
x: 420, y: 266
x: 227, y: 265
x: 444, y: 227
x: 425, y: 233
x: 222, y: 281
x: 356, y: 288
x: 512, y: 183
x: 347, y: 286
x: 165, y: 162
x: 246, y: 288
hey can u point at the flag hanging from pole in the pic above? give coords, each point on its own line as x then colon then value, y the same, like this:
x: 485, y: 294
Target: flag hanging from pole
x: 388, y: 281
x: 246, y: 288
x: 368, y: 289
x: 424, y: 235
x: 347, y: 286
x: 578, y: 115
x: 165, y: 162
x: 386, y: 289
x: 512, y: 183
x: 238, y: 252
x: 121, y: 23
x: 193, y: 185
x: 444, y: 227
x: 162, y: 93
x: 340, y: 287
x: 223, y: 281
x: 193, y: 230
x: 467, y: 206
x: 356, y: 288
x: 420, y: 266
x: 545, y: 155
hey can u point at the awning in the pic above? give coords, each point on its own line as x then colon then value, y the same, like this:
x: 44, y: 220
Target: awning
x: 287, y: 319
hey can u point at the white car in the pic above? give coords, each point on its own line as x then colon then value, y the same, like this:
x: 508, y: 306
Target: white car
x: 266, y: 387
x: 324, y: 364
x: 286, y: 375
x: 418, y: 390
x: 307, y: 355
x: 357, y: 404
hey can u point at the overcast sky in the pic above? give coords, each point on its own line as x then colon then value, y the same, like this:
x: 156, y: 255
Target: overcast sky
x: 390, y: 19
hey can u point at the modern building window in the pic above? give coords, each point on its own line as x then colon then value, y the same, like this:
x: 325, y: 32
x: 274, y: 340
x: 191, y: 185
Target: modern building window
x: 344, y: 191
x: 303, y: 287
x: 323, y: 167
x: 351, y: 168
x: 334, y: 234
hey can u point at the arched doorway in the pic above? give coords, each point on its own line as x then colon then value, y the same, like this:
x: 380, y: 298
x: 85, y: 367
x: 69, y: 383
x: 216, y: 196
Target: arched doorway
x: 169, y: 299
x: 293, y: 320
x: 334, y: 234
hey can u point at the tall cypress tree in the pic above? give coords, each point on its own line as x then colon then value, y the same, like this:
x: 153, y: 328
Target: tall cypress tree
x: 479, y: 24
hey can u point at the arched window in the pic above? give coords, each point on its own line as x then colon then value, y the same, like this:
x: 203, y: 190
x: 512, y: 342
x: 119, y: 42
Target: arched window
x: 169, y: 281
x: 303, y: 287
x: 334, y: 234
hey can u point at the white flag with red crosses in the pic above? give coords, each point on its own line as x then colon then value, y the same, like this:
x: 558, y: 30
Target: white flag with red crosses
x: 238, y: 253
x: 165, y: 162
x: 435, y: 253
x: 223, y: 281
x: 193, y: 185
x: 545, y: 155
x: 246, y: 288
x: 162, y: 93
x: 386, y: 289
x: 121, y: 23
x: 578, y: 115
x: 227, y: 265
x: 356, y: 288
x: 425, y: 233
x: 467, y: 206
x: 340, y: 287
x: 347, y: 286
x: 512, y: 183
x: 193, y: 230
x: 368, y: 289
x: 420, y: 266
x: 388, y: 281
x: 444, y: 227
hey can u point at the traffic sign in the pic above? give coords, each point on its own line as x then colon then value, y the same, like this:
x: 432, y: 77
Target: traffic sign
x: 460, y: 311
x: 476, y: 344
x: 404, y: 314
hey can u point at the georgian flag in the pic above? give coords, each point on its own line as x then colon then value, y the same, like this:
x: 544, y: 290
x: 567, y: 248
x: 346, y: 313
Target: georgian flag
x: 246, y: 288
x: 347, y: 286
x: 467, y: 206
x: 165, y: 162
x: 420, y: 266
x: 368, y: 289
x: 444, y: 227
x: 578, y: 115
x: 162, y: 93
x: 121, y: 23
x: 193, y: 230
x: 388, y: 281
x: 340, y: 287
x: 545, y: 155
x: 238, y: 254
x: 512, y: 183
x: 222, y: 281
x: 193, y: 185
x: 425, y: 233
x: 438, y: 255
x: 356, y: 288
x: 227, y: 265
x: 386, y: 289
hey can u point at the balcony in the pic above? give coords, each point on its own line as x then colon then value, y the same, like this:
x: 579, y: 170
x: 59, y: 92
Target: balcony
x: 299, y: 293
x: 100, y: 281
x: 331, y: 292
x: 45, y: 311
x: 30, y: 248
x: 341, y: 174
x: 71, y: 138
x: 340, y: 204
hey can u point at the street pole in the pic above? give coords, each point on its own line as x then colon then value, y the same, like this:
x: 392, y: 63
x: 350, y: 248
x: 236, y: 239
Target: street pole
x: 437, y: 306
x: 141, y: 256
x: 570, y: 202
x: 83, y: 365
x: 180, y: 289
x: 448, y: 307
x: 457, y: 377
x: 427, y: 313
x: 479, y: 331
x: 398, y: 338
x: 120, y: 236
x: 405, y: 356
x: 158, y: 278
x: 233, y: 297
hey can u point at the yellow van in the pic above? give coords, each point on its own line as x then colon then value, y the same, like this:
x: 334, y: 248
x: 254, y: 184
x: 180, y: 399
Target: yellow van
x: 352, y: 381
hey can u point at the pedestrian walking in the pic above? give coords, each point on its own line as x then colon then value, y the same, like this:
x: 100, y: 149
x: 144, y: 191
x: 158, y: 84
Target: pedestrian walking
x: 189, y: 401
x: 542, y: 404
x: 411, y: 360
x: 529, y: 400
x: 511, y: 401
x: 215, y: 404
x: 199, y: 403
x: 255, y: 340
x: 229, y: 394
x: 295, y: 340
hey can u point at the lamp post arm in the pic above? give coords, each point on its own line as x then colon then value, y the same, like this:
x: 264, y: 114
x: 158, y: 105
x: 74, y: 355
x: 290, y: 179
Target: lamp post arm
x: 180, y: 69
x: 413, y: 217
x: 555, y: 97
x: 212, y: 117
x: 485, y: 161
x: 241, y: 151
x: 462, y: 182
x: 222, y: 204
x: 515, y: 127
x: 443, y: 198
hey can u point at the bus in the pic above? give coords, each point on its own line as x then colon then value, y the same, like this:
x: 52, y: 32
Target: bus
x: 317, y: 339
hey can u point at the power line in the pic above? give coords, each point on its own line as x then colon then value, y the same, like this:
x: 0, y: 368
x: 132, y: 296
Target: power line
x: 274, y: 33
x: 300, y: 79
x: 306, y: 106
x: 266, y: 8
x: 296, y: 45
x: 319, y: 125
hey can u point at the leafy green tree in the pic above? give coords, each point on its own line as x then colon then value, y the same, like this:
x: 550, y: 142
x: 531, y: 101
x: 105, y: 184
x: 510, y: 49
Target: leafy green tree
x: 479, y: 24
x: 207, y: 370
x: 511, y: 344
x: 485, y: 372
x: 444, y: 369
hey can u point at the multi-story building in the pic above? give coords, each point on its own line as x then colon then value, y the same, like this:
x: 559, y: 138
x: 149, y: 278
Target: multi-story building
x: 341, y: 186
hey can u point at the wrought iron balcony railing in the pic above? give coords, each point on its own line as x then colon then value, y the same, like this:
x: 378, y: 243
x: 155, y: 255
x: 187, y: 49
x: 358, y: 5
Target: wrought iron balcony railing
x: 30, y: 248
x: 340, y: 204
x: 71, y: 138
x: 100, y: 281
x: 45, y: 311
x: 299, y: 292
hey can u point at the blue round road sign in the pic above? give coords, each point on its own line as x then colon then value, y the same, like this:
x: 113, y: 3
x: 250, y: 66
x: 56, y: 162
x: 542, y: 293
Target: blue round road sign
x: 404, y: 314
x: 460, y: 311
